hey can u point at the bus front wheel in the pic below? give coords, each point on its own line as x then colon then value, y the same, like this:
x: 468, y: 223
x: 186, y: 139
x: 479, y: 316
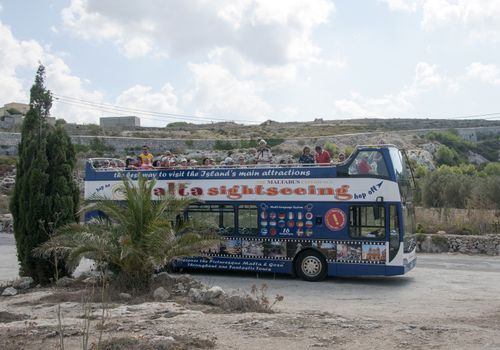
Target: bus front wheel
x: 311, y: 266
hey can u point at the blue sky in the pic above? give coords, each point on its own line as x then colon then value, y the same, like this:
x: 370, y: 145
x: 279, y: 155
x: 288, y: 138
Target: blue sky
x: 253, y: 60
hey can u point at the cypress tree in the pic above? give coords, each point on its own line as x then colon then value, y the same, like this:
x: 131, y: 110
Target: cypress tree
x: 44, y: 194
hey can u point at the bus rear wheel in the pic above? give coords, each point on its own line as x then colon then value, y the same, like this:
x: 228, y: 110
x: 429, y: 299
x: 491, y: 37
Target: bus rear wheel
x: 311, y: 266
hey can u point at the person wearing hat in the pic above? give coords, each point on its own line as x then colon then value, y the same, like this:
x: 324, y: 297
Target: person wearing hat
x: 228, y: 161
x: 264, y: 155
x: 183, y: 163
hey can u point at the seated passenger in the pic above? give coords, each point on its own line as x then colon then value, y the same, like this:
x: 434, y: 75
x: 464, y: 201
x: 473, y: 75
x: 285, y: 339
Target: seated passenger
x: 264, y: 155
x: 228, y: 161
x: 193, y: 162
x: 131, y: 163
x: 306, y: 157
x: 341, y: 157
x: 322, y: 156
x: 183, y: 163
x: 241, y: 160
x: 146, y: 163
x: 205, y: 162
x: 364, y: 167
x: 146, y: 155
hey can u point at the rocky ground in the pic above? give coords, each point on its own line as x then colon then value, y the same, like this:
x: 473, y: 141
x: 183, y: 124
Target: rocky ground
x: 447, y: 302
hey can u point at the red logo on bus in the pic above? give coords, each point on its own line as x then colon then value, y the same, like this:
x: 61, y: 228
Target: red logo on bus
x: 335, y: 219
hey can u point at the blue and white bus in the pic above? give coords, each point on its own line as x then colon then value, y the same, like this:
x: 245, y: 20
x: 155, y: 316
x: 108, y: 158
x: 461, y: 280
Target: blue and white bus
x: 354, y: 218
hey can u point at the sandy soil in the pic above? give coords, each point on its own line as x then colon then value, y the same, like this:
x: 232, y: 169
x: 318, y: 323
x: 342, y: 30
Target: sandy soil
x: 448, y: 302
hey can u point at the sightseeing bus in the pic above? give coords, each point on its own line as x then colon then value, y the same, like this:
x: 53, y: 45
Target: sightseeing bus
x: 354, y: 218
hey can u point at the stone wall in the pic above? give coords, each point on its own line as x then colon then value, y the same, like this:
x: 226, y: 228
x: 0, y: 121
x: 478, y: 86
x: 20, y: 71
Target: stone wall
x: 441, y: 243
x: 9, y: 142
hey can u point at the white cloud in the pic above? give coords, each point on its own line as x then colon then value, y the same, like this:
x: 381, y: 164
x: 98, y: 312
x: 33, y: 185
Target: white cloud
x: 425, y: 79
x: 479, y: 17
x: 488, y: 73
x: 15, y: 55
x: 217, y: 92
x: 144, y: 98
x: 402, y: 5
x: 271, y: 32
x: 61, y: 81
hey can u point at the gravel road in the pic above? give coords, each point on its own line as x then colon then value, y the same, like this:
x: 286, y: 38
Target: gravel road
x: 447, y: 302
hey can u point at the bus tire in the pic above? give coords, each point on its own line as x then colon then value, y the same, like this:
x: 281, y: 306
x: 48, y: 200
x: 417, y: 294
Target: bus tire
x: 311, y: 265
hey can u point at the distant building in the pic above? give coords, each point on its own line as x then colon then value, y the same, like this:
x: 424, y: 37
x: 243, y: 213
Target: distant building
x: 14, y: 108
x: 12, y: 114
x: 120, y: 122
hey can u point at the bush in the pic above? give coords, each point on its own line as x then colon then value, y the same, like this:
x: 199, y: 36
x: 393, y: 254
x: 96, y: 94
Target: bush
x: 99, y: 147
x: 447, y: 156
x: 492, y: 169
x: 81, y: 148
x: 178, y: 124
x: 223, y: 145
x: 347, y: 151
x: 332, y: 149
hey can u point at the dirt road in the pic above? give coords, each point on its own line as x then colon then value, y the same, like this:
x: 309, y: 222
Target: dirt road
x: 447, y: 302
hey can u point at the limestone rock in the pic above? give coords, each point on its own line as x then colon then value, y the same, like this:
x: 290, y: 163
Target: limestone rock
x: 125, y: 296
x: 9, y: 291
x: 23, y: 283
x: 161, y: 294
x: 65, y: 282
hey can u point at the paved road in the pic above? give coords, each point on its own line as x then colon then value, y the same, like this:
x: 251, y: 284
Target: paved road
x: 9, y: 268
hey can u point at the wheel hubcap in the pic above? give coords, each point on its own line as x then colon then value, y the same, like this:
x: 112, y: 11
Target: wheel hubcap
x: 311, y: 266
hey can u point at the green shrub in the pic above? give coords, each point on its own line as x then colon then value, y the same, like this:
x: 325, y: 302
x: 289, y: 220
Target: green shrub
x: 332, y: 149
x: 223, y: 145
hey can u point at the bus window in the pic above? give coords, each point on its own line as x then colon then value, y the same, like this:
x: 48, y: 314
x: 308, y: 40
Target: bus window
x: 248, y: 220
x: 369, y: 163
x: 367, y: 222
x: 220, y: 216
x: 394, y: 238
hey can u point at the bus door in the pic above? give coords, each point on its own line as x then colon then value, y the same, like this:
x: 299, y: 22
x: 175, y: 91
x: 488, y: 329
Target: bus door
x: 394, y: 232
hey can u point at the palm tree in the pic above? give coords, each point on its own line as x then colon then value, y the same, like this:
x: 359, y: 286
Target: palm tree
x: 135, y: 236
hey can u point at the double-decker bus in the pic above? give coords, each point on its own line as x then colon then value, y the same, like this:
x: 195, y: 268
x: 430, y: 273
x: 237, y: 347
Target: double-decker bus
x: 354, y: 218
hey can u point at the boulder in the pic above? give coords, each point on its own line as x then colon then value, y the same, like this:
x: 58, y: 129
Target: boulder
x: 65, y: 282
x: 164, y: 279
x: 161, y: 294
x: 23, y: 283
x: 9, y: 291
x: 214, y: 295
x: 125, y: 296
x: 195, y: 294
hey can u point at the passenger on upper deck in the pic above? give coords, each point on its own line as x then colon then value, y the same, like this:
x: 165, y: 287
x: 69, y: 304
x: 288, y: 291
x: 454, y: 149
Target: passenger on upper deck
x: 146, y: 155
x: 341, y: 157
x: 146, y: 163
x: 306, y: 157
x: 322, y: 156
x: 264, y: 155
x: 241, y: 160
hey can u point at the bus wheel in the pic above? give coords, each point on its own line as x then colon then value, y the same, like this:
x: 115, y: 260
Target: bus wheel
x: 311, y: 266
